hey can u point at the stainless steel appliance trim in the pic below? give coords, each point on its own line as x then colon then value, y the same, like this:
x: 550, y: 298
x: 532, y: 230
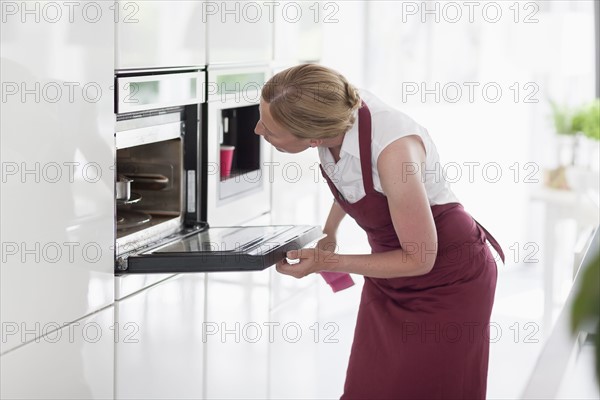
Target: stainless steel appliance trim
x: 191, y: 192
x: 131, y: 71
x: 150, y: 134
x: 258, y: 255
x: 126, y: 124
x: 285, y: 237
x: 239, y: 186
x: 228, y: 66
x: 125, y: 104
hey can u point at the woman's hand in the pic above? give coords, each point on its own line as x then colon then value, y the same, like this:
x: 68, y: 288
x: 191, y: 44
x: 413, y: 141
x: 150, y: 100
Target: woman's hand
x: 329, y: 243
x: 309, y: 261
x: 323, y: 257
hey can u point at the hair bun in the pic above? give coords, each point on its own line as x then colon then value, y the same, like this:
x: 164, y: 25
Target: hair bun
x: 352, y: 96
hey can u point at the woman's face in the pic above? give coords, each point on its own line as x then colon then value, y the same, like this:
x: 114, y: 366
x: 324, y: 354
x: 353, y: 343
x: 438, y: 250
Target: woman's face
x: 282, y: 139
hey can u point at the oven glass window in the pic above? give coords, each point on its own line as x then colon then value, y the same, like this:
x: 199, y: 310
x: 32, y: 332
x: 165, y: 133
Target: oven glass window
x: 225, y: 239
x: 235, y: 83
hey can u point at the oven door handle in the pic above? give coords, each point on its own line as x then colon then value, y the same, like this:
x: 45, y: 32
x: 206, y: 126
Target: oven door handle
x: 147, y: 92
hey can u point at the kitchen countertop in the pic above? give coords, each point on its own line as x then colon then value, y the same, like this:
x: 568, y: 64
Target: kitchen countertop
x: 565, y: 368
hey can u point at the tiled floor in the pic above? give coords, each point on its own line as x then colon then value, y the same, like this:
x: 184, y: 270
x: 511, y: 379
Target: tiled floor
x: 517, y: 321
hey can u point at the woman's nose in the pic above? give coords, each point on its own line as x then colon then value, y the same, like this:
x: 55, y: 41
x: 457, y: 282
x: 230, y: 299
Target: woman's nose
x: 257, y: 129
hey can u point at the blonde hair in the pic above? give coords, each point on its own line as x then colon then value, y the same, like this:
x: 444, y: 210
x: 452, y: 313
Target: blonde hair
x: 312, y: 101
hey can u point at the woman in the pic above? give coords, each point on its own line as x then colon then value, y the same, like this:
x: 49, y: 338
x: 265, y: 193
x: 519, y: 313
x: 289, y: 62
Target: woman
x: 422, y: 330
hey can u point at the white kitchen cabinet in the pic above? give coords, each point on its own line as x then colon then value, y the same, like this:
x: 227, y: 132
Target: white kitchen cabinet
x: 75, y: 362
x: 337, y: 312
x: 298, y: 31
x: 159, y: 34
x: 160, y: 351
x: 127, y: 284
x: 240, y: 32
x: 296, y: 180
x: 344, y: 35
x: 296, y: 183
x: 319, y: 329
x: 293, y: 357
x: 57, y: 123
x: 237, y: 335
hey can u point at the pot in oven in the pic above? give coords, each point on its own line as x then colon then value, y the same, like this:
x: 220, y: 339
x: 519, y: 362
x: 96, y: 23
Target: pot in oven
x: 123, y: 188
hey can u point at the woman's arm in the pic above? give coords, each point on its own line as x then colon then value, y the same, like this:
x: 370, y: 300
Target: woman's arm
x: 336, y: 214
x: 411, y: 217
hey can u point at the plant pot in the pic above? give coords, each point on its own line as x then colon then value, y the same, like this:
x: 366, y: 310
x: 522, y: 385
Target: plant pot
x: 588, y: 153
x: 565, y: 154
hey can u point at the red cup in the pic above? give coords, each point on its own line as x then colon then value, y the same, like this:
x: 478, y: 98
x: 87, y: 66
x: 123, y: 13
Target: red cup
x: 226, y: 159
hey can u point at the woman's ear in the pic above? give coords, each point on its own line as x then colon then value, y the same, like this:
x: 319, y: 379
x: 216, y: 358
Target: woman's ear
x: 315, y: 142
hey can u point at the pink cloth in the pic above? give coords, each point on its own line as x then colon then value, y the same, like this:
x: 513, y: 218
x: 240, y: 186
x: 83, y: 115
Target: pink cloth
x: 337, y: 280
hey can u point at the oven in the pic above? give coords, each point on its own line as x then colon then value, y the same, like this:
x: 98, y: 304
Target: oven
x: 168, y: 180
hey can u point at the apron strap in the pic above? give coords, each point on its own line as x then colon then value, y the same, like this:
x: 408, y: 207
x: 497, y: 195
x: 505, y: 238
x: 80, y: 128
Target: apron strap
x: 364, y: 141
x: 492, y: 241
x: 337, y: 195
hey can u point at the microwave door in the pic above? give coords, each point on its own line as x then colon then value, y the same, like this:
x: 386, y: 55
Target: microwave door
x: 249, y: 248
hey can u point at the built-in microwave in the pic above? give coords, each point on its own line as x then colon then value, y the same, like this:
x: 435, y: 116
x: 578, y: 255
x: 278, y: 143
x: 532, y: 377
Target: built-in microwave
x: 233, y: 98
x: 165, y: 156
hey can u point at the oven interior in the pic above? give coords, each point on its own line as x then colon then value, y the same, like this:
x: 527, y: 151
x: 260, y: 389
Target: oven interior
x: 150, y: 157
x: 156, y: 185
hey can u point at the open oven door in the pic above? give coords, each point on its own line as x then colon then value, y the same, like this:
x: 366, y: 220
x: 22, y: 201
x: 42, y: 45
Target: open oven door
x: 248, y: 248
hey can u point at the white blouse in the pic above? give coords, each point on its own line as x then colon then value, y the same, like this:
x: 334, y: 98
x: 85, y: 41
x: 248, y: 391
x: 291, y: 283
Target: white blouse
x: 387, y: 125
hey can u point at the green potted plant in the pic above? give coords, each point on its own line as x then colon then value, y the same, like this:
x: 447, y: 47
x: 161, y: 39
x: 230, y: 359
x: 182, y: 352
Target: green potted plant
x: 579, y: 135
x: 567, y: 123
x: 563, y: 119
x: 590, y: 126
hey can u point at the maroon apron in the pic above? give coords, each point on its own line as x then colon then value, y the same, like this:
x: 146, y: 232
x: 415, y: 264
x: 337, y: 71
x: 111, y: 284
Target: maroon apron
x: 422, y: 337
